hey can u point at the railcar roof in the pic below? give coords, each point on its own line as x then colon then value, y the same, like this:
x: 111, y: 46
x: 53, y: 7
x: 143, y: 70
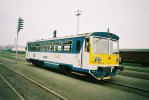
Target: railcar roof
x: 102, y: 34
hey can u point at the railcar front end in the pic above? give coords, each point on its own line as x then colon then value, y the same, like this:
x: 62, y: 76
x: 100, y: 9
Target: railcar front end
x: 103, y: 55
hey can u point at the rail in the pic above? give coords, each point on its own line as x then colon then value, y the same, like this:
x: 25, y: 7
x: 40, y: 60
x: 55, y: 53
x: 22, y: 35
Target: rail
x: 45, y: 88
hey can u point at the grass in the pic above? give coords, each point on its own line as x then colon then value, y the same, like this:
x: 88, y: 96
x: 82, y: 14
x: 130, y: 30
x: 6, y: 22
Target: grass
x: 135, y: 67
x: 12, y: 53
x: 12, y: 56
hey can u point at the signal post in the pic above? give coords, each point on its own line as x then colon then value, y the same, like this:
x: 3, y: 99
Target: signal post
x: 20, y: 26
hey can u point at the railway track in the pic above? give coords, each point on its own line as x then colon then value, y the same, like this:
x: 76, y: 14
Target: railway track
x: 136, y: 75
x: 16, y: 92
x: 128, y: 86
x: 27, y: 88
x: 125, y: 73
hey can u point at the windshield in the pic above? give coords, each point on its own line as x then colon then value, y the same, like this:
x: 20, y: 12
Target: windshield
x: 104, y: 46
x: 100, y: 45
x: 114, y: 48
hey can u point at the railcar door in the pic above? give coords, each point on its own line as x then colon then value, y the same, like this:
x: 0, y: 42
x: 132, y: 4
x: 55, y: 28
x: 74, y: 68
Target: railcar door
x: 27, y: 50
x: 85, y: 54
x: 78, y: 61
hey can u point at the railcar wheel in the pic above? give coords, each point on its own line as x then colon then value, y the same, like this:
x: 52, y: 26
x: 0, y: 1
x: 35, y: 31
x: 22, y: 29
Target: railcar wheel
x: 68, y: 71
x: 61, y: 69
x: 43, y: 65
x: 34, y: 63
x: 65, y: 70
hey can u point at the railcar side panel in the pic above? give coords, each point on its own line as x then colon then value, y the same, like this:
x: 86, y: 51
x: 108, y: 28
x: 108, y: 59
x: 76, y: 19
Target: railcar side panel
x: 93, y: 53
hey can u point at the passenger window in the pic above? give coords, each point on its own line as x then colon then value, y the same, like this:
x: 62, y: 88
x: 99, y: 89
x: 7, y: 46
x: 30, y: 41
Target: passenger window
x: 50, y: 47
x: 67, y: 46
x: 78, y: 44
x: 57, y: 46
x: 87, y: 45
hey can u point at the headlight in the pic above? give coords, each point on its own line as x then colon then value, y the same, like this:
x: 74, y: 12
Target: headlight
x: 97, y: 59
x: 118, y: 59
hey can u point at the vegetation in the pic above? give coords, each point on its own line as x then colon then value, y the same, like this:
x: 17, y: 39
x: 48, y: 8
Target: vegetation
x: 135, y: 67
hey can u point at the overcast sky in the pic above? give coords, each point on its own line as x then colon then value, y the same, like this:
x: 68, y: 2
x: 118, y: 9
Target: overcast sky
x: 129, y: 19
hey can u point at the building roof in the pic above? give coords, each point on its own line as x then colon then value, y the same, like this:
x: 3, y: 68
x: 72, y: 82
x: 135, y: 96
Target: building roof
x: 134, y: 50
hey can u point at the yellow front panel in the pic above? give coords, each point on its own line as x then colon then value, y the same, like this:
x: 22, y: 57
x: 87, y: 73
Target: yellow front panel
x: 106, y: 59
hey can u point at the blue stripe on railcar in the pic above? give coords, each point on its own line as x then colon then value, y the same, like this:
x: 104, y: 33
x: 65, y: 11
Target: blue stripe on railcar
x: 74, y: 41
x: 80, y: 69
x: 106, y: 35
x: 55, y: 65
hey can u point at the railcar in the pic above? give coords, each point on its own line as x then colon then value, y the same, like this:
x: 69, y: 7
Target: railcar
x: 135, y: 56
x: 95, y: 54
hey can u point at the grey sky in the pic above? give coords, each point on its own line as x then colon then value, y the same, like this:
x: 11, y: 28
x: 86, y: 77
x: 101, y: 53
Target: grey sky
x: 127, y: 18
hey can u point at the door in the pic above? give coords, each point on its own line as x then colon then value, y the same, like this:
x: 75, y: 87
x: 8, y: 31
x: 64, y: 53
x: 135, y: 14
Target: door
x: 85, y: 54
x: 78, y: 55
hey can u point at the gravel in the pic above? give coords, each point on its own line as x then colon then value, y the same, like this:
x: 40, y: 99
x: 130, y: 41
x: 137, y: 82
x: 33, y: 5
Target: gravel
x: 75, y: 88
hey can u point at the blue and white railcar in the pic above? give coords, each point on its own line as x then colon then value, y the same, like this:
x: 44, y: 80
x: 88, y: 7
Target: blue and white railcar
x: 94, y: 53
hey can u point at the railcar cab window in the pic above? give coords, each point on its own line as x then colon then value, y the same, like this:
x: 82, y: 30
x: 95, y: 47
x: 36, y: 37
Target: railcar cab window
x: 87, y: 45
x: 100, y: 45
x: 57, y: 46
x: 105, y: 46
x: 114, y: 47
x: 67, y: 46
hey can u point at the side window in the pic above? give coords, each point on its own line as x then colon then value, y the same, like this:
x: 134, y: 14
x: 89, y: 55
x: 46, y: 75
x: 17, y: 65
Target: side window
x: 45, y: 48
x: 78, y: 44
x: 57, y: 46
x: 87, y: 45
x: 37, y: 47
x: 41, y: 46
x: 67, y: 46
x: 50, y: 46
x: 33, y: 47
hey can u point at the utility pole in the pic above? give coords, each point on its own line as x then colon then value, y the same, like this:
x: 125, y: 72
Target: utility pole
x: 78, y: 13
x: 20, y: 26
